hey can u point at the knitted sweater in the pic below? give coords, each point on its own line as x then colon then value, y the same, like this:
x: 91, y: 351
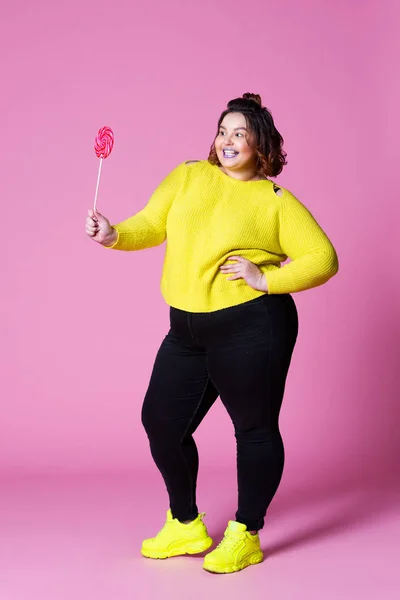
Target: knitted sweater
x: 206, y: 216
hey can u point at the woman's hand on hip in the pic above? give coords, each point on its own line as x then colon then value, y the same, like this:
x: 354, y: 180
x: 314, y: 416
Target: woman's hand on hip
x: 245, y: 269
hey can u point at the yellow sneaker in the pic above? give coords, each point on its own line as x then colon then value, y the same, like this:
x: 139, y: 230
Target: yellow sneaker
x: 237, y: 550
x: 177, y: 538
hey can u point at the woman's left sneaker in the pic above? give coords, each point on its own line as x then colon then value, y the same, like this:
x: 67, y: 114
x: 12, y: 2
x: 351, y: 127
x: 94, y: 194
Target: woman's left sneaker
x: 237, y: 550
x: 176, y: 538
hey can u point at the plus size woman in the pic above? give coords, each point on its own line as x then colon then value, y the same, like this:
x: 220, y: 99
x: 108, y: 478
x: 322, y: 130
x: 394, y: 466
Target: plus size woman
x: 233, y: 321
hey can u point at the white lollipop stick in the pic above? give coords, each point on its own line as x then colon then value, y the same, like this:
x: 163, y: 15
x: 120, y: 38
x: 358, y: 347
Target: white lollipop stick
x: 98, y: 181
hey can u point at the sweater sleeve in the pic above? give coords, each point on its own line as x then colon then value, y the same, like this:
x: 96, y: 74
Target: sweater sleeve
x: 148, y: 227
x: 313, y: 258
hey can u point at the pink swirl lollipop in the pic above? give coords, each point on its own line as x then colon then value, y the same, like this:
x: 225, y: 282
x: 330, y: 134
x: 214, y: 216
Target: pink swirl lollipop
x: 103, y: 144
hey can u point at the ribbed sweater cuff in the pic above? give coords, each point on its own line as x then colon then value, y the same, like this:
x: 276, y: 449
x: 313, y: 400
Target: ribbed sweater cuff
x: 115, y: 244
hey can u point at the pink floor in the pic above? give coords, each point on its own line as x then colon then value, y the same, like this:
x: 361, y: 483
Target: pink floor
x: 78, y: 537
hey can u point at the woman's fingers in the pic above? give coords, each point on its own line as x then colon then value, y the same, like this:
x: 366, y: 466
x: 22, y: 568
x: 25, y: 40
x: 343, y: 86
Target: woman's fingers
x: 97, y: 226
x: 93, y: 215
x: 91, y: 231
x: 235, y: 268
x: 91, y: 226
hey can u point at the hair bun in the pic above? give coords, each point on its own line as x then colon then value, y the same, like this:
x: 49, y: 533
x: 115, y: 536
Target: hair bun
x: 255, y: 97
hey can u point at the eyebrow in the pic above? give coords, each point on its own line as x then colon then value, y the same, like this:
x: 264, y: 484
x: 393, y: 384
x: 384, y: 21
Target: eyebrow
x: 236, y: 128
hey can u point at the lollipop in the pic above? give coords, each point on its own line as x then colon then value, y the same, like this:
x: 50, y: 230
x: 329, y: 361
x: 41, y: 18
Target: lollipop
x: 103, y: 144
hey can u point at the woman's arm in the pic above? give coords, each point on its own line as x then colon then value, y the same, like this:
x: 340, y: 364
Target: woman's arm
x: 148, y: 227
x: 313, y: 258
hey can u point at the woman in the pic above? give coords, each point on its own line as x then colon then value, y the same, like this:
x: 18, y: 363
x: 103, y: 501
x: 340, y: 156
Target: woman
x: 233, y: 322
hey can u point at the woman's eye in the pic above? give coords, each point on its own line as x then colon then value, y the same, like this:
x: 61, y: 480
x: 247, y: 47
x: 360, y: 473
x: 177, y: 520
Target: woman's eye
x: 221, y: 133
x: 239, y: 134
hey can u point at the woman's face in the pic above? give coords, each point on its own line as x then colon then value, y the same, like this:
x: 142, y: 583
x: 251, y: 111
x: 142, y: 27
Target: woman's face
x: 231, y: 144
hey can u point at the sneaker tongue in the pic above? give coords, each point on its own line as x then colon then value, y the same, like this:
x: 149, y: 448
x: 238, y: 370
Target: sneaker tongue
x: 236, y: 526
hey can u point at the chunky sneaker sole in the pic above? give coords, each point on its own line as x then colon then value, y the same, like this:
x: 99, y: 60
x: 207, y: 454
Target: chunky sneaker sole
x: 180, y: 550
x: 251, y: 560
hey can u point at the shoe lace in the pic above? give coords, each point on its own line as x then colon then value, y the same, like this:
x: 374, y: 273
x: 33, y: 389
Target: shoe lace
x: 230, y: 541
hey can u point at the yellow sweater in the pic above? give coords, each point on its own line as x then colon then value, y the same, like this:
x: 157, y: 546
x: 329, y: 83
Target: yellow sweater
x: 206, y: 216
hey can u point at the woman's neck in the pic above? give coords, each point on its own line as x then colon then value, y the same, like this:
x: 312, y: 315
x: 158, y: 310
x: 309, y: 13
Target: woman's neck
x: 245, y: 175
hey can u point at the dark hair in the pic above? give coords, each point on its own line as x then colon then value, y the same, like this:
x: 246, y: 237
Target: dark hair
x: 268, y: 141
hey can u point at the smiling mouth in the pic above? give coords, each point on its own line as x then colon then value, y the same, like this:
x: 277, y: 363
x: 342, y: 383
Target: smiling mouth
x: 229, y: 153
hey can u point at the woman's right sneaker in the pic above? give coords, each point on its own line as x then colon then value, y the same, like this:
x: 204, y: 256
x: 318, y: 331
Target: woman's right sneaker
x: 177, y: 538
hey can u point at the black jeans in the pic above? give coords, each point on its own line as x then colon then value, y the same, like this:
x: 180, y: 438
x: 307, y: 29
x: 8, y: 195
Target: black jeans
x: 242, y: 354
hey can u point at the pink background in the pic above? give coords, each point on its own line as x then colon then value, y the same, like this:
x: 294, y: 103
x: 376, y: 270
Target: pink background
x: 81, y: 325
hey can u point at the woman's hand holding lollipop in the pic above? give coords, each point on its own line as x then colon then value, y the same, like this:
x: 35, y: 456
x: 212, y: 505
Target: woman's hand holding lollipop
x: 99, y: 229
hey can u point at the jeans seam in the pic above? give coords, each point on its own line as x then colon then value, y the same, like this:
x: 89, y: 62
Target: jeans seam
x: 187, y: 429
x: 268, y: 384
